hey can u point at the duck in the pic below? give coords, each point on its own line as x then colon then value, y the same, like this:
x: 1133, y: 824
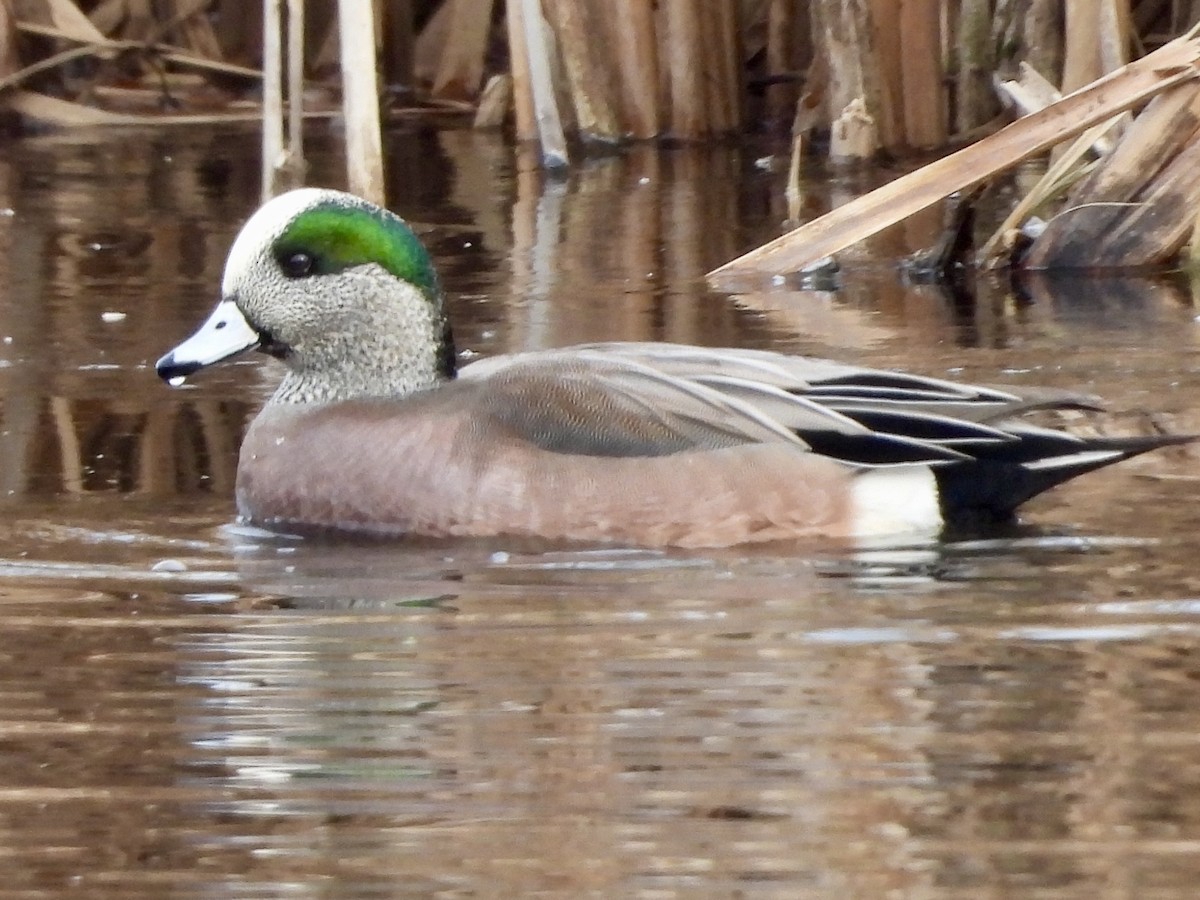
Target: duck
x: 376, y: 427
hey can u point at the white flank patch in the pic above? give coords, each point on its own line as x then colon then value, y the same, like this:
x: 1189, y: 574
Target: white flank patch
x: 897, y: 500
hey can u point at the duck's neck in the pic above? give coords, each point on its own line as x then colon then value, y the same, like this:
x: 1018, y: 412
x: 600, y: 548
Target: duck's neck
x: 386, y: 358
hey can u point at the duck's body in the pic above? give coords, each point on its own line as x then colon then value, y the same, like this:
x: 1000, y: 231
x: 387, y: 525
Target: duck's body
x: 438, y: 478
x: 578, y: 444
x: 651, y: 444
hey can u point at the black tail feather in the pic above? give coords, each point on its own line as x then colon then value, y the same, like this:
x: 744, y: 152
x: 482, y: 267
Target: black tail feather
x: 992, y: 487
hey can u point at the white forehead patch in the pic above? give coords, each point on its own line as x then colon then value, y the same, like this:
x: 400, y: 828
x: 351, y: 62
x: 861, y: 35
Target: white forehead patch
x: 268, y: 222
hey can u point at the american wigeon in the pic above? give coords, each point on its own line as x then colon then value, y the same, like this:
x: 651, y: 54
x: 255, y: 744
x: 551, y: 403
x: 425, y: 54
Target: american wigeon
x: 374, y: 427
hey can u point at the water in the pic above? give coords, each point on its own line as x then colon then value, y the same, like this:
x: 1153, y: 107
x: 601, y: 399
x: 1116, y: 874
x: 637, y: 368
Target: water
x: 192, y: 708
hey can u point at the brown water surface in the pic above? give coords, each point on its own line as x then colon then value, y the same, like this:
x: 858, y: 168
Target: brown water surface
x: 192, y: 708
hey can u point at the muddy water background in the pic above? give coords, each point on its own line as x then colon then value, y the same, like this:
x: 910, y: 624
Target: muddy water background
x: 192, y: 709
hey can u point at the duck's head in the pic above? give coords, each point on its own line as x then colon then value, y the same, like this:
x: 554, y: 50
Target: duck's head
x: 339, y: 289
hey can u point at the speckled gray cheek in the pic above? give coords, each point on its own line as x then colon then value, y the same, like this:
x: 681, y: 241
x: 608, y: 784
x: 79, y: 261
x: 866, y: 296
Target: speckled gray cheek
x: 261, y: 292
x: 358, y: 333
x: 285, y: 310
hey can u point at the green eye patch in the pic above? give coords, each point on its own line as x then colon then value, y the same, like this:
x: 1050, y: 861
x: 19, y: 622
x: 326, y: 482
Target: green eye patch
x: 340, y: 236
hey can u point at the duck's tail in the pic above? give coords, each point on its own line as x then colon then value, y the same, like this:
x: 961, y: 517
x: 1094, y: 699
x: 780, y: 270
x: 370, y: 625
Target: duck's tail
x: 996, y: 480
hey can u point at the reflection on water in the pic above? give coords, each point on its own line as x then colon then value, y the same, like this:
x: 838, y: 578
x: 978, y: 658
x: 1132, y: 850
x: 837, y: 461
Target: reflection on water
x: 192, y: 708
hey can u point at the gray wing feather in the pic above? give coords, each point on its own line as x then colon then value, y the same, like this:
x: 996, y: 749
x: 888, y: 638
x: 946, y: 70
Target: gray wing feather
x: 657, y: 398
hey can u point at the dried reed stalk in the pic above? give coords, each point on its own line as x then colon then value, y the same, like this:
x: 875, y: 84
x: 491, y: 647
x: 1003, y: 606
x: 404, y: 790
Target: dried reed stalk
x: 976, y: 101
x: 272, y: 103
x: 430, y: 45
x: 725, y: 82
x: 541, y: 80
x: 1167, y: 123
x: 793, y: 192
x: 295, y: 93
x: 576, y: 24
x: 360, y: 100
x: 108, y: 15
x: 1029, y: 92
x: 921, y: 74
x: 1116, y: 32
x: 1062, y: 171
x: 10, y: 60
x: 683, y: 57
x: 63, y: 113
x: 1081, y: 63
x: 186, y: 26
x: 1042, y: 28
x: 460, y: 72
x: 886, y: 56
x: 518, y: 55
x: 398, y: 43
x: 169, y: 53
x: 632, y: 32
x: 785, y: 21
x: 1158, y: 225
x: 66, y: 17
x: 494, y: 102
x: 712, y: 71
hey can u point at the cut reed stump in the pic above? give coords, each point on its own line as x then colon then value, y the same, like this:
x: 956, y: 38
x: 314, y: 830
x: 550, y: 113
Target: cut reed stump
x: 494, y: 103
x: 854, y: 100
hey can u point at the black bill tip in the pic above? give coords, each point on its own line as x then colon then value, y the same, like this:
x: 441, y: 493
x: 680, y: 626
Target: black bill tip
x: 173, y: 372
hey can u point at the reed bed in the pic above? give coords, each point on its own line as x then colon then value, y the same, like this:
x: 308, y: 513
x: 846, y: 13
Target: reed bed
x: 915, y: 76
x: 854, y: 79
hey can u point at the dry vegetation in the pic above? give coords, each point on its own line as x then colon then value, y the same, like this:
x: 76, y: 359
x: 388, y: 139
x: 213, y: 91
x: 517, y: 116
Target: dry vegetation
x: 875, y: 74
x: 863, y: 76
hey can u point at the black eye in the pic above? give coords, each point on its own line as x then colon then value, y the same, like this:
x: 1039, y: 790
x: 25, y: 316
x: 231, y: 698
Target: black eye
x: 297, y: 264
